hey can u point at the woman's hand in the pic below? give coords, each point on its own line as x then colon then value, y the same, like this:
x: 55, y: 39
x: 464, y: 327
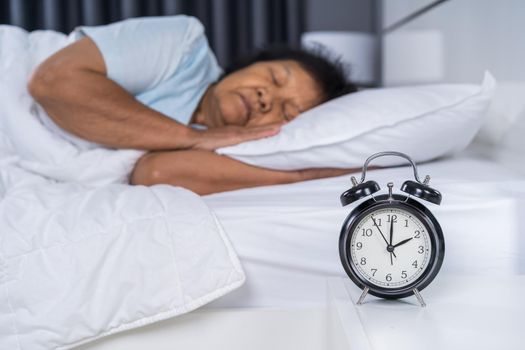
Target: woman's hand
x: 211, y: 139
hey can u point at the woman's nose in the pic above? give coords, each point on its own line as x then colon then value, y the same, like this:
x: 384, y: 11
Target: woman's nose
x: 264, y: 99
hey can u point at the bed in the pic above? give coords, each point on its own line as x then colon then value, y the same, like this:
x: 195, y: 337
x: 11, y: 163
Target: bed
x: 286, y: 237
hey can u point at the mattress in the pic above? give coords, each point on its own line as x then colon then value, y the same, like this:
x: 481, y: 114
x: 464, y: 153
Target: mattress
x: 287, y: 239
x: 287, y: 235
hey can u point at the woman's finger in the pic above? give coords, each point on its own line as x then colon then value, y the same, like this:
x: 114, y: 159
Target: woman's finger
x: 212, y: 139
x: 248, y: 134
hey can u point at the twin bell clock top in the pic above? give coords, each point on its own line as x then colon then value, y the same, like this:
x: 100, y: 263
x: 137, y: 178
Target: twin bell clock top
x: 391, y: 245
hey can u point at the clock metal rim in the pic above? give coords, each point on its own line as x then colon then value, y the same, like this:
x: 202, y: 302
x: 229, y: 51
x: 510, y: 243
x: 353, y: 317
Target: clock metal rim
x: 423, y: 214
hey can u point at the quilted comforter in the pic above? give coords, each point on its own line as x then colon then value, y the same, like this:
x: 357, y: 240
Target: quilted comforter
x: 83, y: 254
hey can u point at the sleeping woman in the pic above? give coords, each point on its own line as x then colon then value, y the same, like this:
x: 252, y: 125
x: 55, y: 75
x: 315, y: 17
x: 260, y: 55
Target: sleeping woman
x: 154, y: 84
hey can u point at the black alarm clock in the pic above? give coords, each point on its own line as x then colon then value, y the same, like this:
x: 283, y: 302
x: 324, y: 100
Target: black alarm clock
x: 391, y: 245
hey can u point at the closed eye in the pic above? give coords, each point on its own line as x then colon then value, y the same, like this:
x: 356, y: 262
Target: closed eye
x: 279, y: 78
x: 273, y: 77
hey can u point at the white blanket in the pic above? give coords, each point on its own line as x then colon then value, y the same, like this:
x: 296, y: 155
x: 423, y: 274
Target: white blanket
x: 82, y: 254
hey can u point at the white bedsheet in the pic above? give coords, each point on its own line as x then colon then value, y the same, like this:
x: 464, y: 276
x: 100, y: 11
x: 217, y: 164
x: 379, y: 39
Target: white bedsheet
x: 287, y: 236
x: 81, y: 255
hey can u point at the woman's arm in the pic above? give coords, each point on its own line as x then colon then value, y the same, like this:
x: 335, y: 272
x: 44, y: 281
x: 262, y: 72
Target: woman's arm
x: 206, y: 172
x: 74, y: 90
x: 72, y: 87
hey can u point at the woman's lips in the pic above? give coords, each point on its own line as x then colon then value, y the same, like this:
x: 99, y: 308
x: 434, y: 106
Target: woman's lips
x: 247, y: 106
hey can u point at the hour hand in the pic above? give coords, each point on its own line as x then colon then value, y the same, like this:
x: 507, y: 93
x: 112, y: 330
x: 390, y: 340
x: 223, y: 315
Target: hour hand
x: 403, y: 242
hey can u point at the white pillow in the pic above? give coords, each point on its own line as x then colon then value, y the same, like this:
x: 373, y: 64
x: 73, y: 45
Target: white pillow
x: 501, y: 136
x: 425, y: 122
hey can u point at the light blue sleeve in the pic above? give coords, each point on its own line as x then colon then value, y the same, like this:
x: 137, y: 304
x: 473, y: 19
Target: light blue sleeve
x: 141, y: 53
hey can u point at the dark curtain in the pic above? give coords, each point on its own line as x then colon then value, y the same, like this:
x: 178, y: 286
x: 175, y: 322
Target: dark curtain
x: 233, y: 27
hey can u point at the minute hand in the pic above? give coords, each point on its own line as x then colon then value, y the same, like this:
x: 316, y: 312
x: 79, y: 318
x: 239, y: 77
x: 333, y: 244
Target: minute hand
x: 403, y: 242
x: 382, y: 235
x: 391, y: 230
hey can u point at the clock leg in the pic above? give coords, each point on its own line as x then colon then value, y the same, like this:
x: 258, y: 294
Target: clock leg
x: 419, y: 297
x: 363, y: 296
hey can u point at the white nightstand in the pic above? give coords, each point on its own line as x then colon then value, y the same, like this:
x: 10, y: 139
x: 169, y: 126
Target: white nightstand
x: 305, y: 328
x: 461, y: 313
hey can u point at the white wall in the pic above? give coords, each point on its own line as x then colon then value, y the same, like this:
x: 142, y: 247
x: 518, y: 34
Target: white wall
x: 474, y: 36
x: 477, y: 35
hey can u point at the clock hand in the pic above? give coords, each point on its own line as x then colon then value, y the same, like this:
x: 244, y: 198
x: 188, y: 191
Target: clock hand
x: 374, y: 220
x: 403, y: 242
x: 382, y: 235
x: 391, y: 230
x: 391, y: 262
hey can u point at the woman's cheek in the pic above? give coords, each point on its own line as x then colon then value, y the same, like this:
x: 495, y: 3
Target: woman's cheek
x: 229, y: 111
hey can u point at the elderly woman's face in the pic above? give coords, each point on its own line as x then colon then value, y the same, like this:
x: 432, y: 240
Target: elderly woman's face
x: 262, y: 93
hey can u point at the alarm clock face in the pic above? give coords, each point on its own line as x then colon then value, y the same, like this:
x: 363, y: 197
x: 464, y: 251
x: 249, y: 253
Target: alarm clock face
x: 390, y: 247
